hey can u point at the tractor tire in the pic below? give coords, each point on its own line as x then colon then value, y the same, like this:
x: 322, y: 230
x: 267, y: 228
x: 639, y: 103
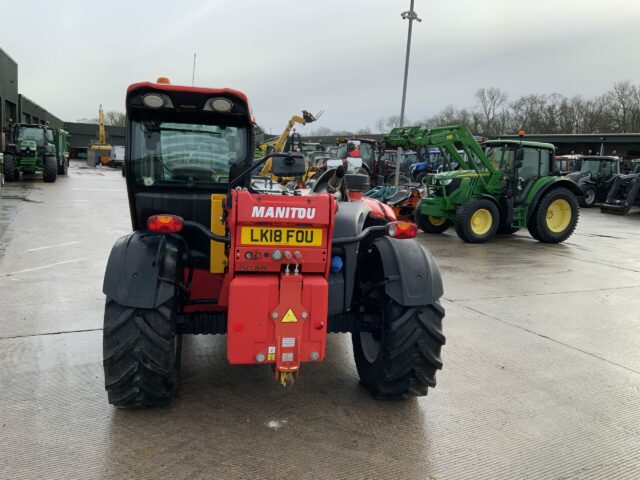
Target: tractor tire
x: 50, y: 169
x: 588, y: 198
x: 429, y: 224
x: 62, y: 169
x: 140, y: 354
x: 477, y: 220
x: 401, y: 360
x: 420, y: 177
x: 555, y: 217
x: 11, y: 171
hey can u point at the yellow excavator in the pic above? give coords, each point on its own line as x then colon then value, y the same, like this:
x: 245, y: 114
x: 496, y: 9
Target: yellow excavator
x: 100, y: 150
x: 277, y: 144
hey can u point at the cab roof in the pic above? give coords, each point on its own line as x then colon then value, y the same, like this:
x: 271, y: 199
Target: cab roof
x: 524, y: 143
x: 169, y: 87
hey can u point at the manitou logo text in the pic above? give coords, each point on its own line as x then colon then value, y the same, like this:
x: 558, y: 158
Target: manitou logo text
x: 284, y: 212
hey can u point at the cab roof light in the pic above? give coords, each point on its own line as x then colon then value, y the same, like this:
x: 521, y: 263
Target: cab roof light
x: 163, y: 80
x: 402, y: 230
x: 165, y: 223
x: 157, y: 100
x: 218, y: 104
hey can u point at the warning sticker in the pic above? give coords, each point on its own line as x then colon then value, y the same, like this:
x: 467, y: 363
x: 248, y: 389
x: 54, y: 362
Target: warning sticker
x: 287, y: 357
x: 288, y: 342
x: 271, y: 353
x: 289, y: 317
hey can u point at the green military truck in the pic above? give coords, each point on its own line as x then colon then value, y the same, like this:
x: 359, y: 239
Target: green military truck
x: 499, y: 186
x: 36, y: 148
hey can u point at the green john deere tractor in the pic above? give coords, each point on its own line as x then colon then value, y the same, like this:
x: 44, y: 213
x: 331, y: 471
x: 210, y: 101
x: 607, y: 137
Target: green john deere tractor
x: 34, y: 149
x: 499, y: 186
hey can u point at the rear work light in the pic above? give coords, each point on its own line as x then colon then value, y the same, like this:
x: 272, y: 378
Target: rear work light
x: 402, y: 230
x: 165, y: 223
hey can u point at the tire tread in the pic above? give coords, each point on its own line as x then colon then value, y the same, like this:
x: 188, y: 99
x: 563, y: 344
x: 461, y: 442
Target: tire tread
x: 139, y: 355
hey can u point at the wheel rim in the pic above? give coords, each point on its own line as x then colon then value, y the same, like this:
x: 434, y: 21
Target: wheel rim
x: 589, y: 196
x: 558, y: 215
x: 481, y: 221
x: 437, y: 221
x: 370, y: 346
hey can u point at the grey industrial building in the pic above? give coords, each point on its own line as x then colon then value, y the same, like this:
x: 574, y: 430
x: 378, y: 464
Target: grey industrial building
x: 83, y: 133
x: 16, y: 106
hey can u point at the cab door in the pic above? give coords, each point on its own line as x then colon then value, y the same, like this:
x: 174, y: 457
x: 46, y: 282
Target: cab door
x: 605, y: 176
x: 533, y: 163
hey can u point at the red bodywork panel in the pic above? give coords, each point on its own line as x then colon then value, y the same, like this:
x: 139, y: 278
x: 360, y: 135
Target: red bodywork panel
x: 277, y: 307
x: 378, y: 209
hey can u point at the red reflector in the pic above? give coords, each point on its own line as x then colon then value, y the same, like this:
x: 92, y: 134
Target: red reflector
x: 165, y: 223
x: 402, y: 230
x: 318, y: 324
x: 238, y: 326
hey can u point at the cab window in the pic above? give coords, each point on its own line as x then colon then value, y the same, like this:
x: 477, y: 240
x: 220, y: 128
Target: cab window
x: 530, y: 163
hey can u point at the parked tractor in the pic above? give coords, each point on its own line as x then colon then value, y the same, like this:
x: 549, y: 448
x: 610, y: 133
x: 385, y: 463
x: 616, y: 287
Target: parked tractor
x: 595, y: 178
x: 624, y: 192
x: 565, y: 164
x: 34, y: 149
x: 209, y: 254
x: 499, y: 187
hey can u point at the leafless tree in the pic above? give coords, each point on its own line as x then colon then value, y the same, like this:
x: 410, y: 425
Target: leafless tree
x: 116, y: 119
x: 622, y: 101
x: 617, y: 110
x: 491, y: 101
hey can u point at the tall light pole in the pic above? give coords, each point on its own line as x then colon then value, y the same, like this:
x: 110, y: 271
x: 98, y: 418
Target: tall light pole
x: 410, y: 15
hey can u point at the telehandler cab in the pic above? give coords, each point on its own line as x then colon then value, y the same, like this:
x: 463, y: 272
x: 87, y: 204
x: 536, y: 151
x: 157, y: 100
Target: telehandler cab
x: 499, y: 186
x: 210, y: 255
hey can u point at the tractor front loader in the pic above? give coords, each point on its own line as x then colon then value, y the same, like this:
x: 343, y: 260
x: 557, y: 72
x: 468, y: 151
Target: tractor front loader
x: 500, y: 186
x: 624, y: 192
x: 276, y: 273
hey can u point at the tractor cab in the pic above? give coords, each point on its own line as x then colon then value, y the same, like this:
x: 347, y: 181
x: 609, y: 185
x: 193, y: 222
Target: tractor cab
x: 364, y: 148
x: 595, y: 178
x: 39, y: 135
x: 31, y: 140
x: 521, y: 163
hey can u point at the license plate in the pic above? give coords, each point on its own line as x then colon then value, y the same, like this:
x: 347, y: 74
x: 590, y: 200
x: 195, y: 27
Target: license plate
x: 307, y: 237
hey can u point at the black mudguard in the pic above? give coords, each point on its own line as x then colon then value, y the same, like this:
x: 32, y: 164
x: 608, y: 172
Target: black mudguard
x: 349, y: 222
x: 412, y: 273
x: 142, y: 270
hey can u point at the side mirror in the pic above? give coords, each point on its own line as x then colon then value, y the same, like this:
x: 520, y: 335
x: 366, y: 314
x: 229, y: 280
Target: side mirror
x: 288, y: 165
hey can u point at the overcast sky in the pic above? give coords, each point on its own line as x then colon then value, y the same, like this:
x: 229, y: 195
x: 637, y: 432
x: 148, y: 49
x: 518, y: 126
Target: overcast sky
x: 342, y: 56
